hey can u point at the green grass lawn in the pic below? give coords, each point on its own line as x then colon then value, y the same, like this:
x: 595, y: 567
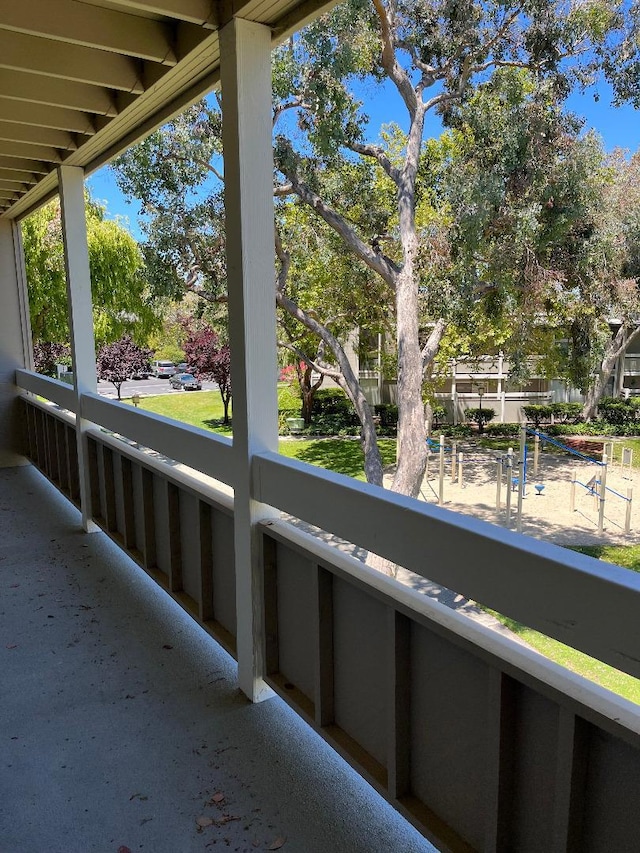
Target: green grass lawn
x: 204, y: 409
x: 198, y: 408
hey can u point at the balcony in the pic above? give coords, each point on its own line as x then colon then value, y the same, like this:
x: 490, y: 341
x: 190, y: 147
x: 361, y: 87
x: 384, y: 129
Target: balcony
x: 122, y: 721
x: 470, y: 736
x: 124, y: 731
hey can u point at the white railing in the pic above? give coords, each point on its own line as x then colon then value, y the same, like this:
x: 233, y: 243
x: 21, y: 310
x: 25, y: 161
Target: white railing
x: 405, y: 688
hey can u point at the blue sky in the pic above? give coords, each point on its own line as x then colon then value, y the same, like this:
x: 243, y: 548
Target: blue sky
x: 619, y: 127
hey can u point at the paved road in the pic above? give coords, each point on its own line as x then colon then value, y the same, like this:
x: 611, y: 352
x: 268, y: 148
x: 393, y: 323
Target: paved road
x: 146, y: 388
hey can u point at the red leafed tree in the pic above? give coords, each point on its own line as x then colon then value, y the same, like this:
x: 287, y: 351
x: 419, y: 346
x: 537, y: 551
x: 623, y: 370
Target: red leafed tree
x: 120, y: 360
x: 210, y: 360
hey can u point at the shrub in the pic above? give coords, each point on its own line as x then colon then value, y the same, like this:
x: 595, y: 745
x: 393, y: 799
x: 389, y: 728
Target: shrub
x: 457, y: 431
x: 479, y: 416
x: 331, y: 401
x: 536, y: 414
x: 567, y: 412
x: 593, y: 428
x: 283, y: 414
x: 388, y: 414
x: 614, y: 411
x: 503, y: 429
x: 289, y: 398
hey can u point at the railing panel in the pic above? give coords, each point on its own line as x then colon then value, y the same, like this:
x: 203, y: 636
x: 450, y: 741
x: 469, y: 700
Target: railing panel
x: 51, y: 389
x: 201, y: 450
x: 361, y: 659
x: 533, y: 749
x: 296, y: 612
x: 54, y: 458
x: 161, y: 525
x: 488, y: 746
x: 472, y: 557
x: 149, y: 533
x: 449, y: 706
x: 190, y: 545
x: 74, y: 473
x: 118, y: 495
x: 223, y: 570
x: 611, y: 816
x: 63, y: 456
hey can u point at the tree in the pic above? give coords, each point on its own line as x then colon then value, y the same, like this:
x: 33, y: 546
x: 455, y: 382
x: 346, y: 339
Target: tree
x: 47, y: 355
x: 122, y: 359
x: 121, y: 302
x: 211, y: 360
x: 620, y: 218
x: 371, y: 195
x: 434, y: 54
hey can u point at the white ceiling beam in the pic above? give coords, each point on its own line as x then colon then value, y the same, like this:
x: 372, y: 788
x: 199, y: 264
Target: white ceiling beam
x: 38, y: 89
x: 11, y: 132
x: 91, y: 26
x: 40, y: 115
x: 21, y: 177
x: 69, y: 62
x: 39, y: 153
x: 201, y: 12
x: 21, y: 164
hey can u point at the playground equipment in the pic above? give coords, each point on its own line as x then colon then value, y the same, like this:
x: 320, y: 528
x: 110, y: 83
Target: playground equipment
x: 512, y: 471
x: 626, y: 457
x: 597, y: 485
x: 441, y: 449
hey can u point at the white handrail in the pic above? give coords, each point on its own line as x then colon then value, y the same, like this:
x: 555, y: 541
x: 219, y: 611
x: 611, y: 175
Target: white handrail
x: 58, y: 392
x: 589, y: 605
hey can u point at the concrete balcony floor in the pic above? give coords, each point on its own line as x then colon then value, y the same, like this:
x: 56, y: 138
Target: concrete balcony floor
x: 122, y: 723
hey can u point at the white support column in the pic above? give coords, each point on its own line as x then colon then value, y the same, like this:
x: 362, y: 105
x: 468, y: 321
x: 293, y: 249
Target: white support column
x: 83, y: 351
x: 245, y: 64
x: 15, y: 340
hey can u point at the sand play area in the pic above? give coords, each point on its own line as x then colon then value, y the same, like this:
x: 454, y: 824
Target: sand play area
x: 546, y: 515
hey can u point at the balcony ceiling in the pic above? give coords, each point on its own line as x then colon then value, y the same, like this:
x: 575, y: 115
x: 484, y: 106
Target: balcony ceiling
x: 80, y: 80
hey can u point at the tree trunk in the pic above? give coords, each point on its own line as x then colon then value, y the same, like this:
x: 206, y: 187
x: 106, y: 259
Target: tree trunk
x: 347, y: 380
x: 308, y: 392
x: 615, y: 348
x: 226, y: 399
x: 412, y: 446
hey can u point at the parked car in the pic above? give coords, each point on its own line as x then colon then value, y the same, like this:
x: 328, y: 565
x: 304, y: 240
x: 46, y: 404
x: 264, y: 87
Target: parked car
x: 162, y: 368
x: 186, y: 381
x: 183, y: 367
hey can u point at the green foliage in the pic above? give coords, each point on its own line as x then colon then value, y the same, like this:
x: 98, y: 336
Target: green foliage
x: 289, y: 398
x: 509, y: 430
x: 456, y: 431
x: 118, y: 285
x: 615, y: 411
x: 537, y: 414
x: 591, y: 428
x: 388, y: 414
x: 480, y: 416
x: 566, y: 412
x: 169, y: 352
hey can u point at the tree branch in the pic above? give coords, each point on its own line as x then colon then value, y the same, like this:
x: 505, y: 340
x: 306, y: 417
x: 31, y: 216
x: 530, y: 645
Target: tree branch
x: 377, y: 153
x: 430, y: 349
x: 283, y: 189
x: 324, y: 369
x: 394, y: 70
x: 374, y: 260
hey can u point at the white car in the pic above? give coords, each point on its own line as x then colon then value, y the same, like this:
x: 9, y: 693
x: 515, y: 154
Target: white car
x: 163, y: 368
